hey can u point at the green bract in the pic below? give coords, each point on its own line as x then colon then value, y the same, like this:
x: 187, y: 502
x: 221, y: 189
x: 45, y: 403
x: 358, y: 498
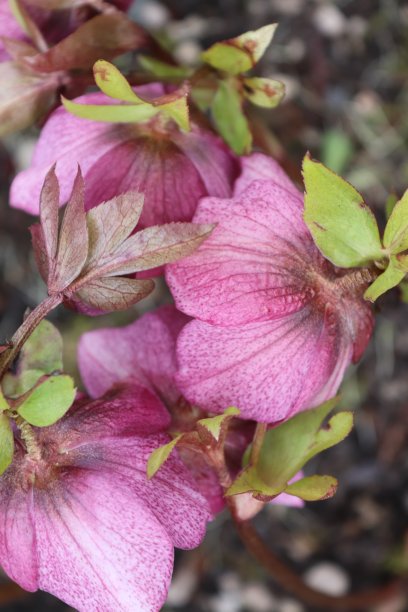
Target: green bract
x: 215, y: 426
x: 390, y: 278
x: 40, y: 355
x: 132, y: 108
x: 342, y: 225
x: 239, y: 54
x: 287, y: 448
x: 6, y: 443
x: 231, y: 122
x: 267, y: 93
x: 48, y: 402
x: 159, y: 456
x: 396, y: 230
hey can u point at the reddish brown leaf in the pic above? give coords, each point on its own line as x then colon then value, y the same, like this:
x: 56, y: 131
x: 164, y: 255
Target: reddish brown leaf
x: 103, y: 36
x: 156, y: 246
x: 73, y: 240
x: 49, y: 206
x: 40, y: 251
x: 109, y: 224
x: 110, y: 294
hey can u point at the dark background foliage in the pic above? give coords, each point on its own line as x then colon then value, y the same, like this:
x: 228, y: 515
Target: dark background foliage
x: 345, y: 65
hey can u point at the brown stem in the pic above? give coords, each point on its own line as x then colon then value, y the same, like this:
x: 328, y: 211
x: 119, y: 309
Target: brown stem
x: 26, y: 329
x: 291, y: 582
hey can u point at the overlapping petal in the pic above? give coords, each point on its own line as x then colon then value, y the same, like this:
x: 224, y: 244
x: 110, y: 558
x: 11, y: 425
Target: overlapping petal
x: 84, y: 523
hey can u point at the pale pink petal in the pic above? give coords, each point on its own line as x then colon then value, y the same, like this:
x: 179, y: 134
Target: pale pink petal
x: 252, y: 267
x: 98, y: 546
x: 258, y: 166
x: 67, y: 140
x: 268, y: 370
x: 141, y: 352
x: 17, y: 531
x: 8, y: 27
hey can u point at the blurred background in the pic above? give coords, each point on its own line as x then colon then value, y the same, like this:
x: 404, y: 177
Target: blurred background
x: 345, y: 66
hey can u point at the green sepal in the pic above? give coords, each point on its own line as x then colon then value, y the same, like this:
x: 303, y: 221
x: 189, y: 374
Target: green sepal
x: 6, y: 443
x: 48, y: 402
x: 216, y: 425
x: 230, y: 120
x: 162, y: 70
x: 160, y: 456
x: 288, y: 447
x: 266, y: 93
x: 112, y: 83
x: 342, y: 225
x: 111, y: 113
x: 40, y: 355
x: 240, y: 54
x: 390, y: 278
x: 390, y: 204
x: 313, y: 488
x: 396, y: 231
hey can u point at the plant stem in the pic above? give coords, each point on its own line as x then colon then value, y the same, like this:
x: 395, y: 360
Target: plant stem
x: 291, y: 582
x: 26, y: 329
x: 257, y: 442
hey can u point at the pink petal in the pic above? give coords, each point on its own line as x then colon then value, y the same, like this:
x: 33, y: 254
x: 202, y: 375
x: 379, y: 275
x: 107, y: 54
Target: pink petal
x: 142, y: 352
x: 98, y: 546
x: 252, y: 266
x: 258, y: 166
x: 8, y: 27
x: 269, y: 370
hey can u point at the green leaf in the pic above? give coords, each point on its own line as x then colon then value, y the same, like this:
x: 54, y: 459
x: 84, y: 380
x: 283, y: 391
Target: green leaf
x: 161, y: 69
x: 396, y: 231
x: 288, y: 447
x: 111, y: 113
x: 313, y: 488
x: 390, y: 278
x: 230, y: 120
x: 178, y: 110
x: 266, y: 93
x: 159, y: 456
x: 48, y: 402
x: 3, y: 402
x: 112, y: 83
x: 337, y: 150
x: 6, y: 443
x: 40, y: 355
x: 216, y: 425
x: 240, y: 54
x: 342, y: 225
x: 390, y: 204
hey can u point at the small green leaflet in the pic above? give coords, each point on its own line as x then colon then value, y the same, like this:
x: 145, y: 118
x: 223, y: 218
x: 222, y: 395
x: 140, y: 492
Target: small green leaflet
x: 288, y: 447
x: 216, y: 425
x: 48, y: 402
x: 132, y: 108
x: 266, y: 93
x: 396, y: 231
x: 390, y: 278
x: 229, y: 118
x: 239, y: 54
x: 6, y: 443
x: 342, y: 225
x: 159, y: 456
x: 40, y: 355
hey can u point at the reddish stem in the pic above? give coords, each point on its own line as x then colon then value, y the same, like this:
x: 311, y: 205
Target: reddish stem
x: 26, y: 329
x: 291, y: 582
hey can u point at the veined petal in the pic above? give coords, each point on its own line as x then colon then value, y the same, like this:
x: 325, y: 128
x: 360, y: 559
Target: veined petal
x: 252, y: 267
x: 269, y: 370
x: 258, y: 166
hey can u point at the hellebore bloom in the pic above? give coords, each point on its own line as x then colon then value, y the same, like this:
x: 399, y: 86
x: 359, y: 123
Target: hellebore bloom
x: 79, y: 518
x: 173, y: 169
x: 276, y: 324
x: 145, y: 352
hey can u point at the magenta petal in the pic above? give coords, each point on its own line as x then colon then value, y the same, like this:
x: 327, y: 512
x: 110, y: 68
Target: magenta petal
x: 252, y: 266
x: 268, y: 370
x: 68, y: 140
x: 258, y: 166
x: 142, y: 352
x: 99, y: 547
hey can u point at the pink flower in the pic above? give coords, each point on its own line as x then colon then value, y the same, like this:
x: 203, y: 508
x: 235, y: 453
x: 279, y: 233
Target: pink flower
x: 172, y: 168
x: 79, y: 517
x: 276, y: 324
x: 145, y: 352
